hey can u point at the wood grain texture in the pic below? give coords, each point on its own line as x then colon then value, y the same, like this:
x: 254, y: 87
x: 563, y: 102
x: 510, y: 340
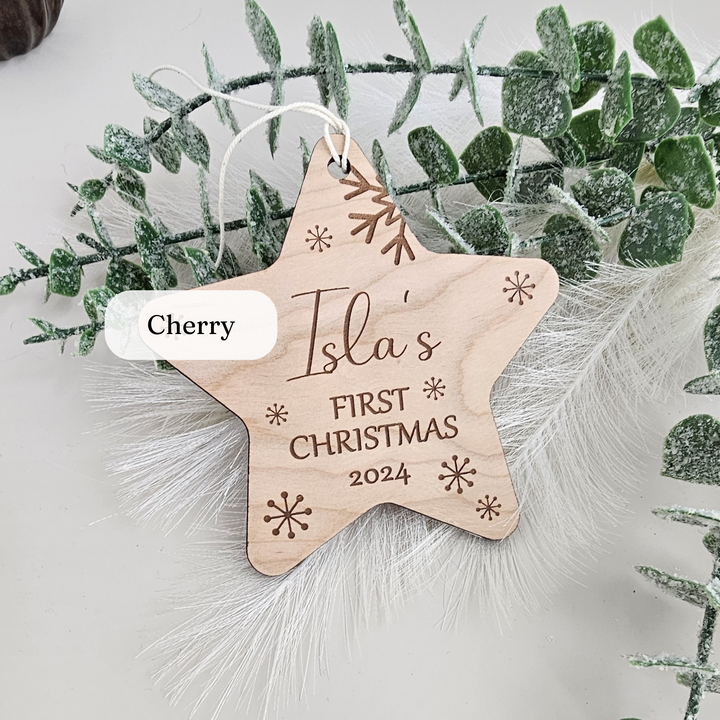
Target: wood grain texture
x: 378, y: 388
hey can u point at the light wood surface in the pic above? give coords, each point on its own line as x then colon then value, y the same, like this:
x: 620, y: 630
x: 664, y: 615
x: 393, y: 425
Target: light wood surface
x: 378, y: 388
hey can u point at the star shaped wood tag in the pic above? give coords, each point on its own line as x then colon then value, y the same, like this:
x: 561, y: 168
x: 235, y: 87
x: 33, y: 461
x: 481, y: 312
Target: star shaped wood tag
x: 378, y: 387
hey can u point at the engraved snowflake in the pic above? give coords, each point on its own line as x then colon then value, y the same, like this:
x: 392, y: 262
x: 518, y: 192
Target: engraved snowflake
x: 288, y: 514
x: 434, y: 388
x: 488, y: 507
x: 519, y: 287
x: 457, y: 474
x: 318, y: 239
x: 277, y: 414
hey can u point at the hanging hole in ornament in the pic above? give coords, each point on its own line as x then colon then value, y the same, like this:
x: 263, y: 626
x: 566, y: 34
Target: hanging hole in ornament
x: 336, y: 170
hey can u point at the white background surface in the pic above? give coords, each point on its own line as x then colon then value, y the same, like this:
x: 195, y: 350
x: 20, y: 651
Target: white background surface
x: 79, y: 599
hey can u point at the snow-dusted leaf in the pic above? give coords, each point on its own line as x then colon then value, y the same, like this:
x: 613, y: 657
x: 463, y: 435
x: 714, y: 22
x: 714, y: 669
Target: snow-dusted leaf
x: 595, y: 45
x: 95, y: 301
x: 305, y: 150
x: 263, y: 34
x: 383, y: 169
x: 709, y: 103
x: 129, y: 182
x: 617, y: 111
x: 44, y: 326
x: 712, y: 591
x: 99, y: 226
x: 99, y: 153
x: 165, y: 150
x: 317, y: 45
x: 585, y: 128
x: 692, y: 451
x: 459, y: 79
x: 711, y: 541
x: 433, y: 155
x: 336, y: 73
x: 192, y: 141
x: 29, y: 255
x: 652, y: 190
x: 538, y: 107
x: 570, y: 248
x: 216, y: 81
x: 712, y: 684
x: 127, y: 148
x: 273, y: 127
x: 484, y: 229
x: 157, y: 94
x: 655, y: 110
x: 86, y: 341
x: 670, y: 661
x: 705, y: 384
x: 658, y: 46
x: 605, y: 192
x: 64, y: 274
x: 711, y: 339
x: 406, y: 104
x: 558, y: 42
x: 93, y: 190
x: 270, y: 195
x: 124, y: 275
x: 471, y: 81
x: 688, y: 123
x: 152, y: 255
x: 690, y: 516
x: 8, y: 283
x: 412, y: 34
x: 566, y: 149
x: 489, y: 153
x: 627, y: 157
x: 688, y: 590
x: 264, y: 242
x: 656, y: 234
x: 457, y: 243
x: 201, y: 264
x: 532, y: 186
x: 683, y: 164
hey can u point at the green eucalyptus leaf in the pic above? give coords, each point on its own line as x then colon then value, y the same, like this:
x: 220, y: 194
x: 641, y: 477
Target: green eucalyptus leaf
x: 711, y: 339
x: 124, y: 275
x: 165, y: 150
x: 652, y: 190
x: 127, y: 148
x: 317, y: 45
x: 705, y: 384
x: 658, y: 46
x: 216, y: 81
x: 688, y: 123
x: 617, y: 111
x: 8, y: 283
x: 687, y: 590
x: 684, y: 165
x: 270, y: 195
x: 627, y: 157
x: 273, y: 127
x: 605, y: 192
x: 711, y: 541
x: 567, y: 150
x: 263, y: 34
x: 263, y: 240
x: 532, y: 186
x: 383, y: 169
x: 305, y: 149
x: 86, y: 341
x: 29, y: 255
x: 406, y: 104
x: 64, y: 274
x: 655, y: 110
x: 433, y: 155
x: 537, y: 107
x: 157, y: 94
x: 470, y: 74
x: 595, y: 44
x: 201, y: 264
x: 412, y: 34
x: 570, y: 248
x: 556, y: 35
x: 93, y: 190
x: 129, y: 182
x: 459, y: 79
x: 192, y: 141
x: 709, y: 103
x: 99, y: 226
x: 45, y: 326
x: 152, y: 255
x: 95, y: 301
x: 656, y: 234
x: 585, y: 128
x: 692, y: 451
x: 337, y: 74
x: 489, y: 152
x: 99, y: 153
x: 689, y: 516
x: 484, y: 229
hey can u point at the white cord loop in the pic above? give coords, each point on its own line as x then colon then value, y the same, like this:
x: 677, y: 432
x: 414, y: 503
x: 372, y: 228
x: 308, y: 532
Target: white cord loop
x: 271, y: 111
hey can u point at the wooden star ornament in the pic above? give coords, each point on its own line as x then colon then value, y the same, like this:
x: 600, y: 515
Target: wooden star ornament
x: 378, y: 387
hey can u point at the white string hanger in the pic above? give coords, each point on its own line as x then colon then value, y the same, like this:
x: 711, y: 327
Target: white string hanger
x: 271, y: 111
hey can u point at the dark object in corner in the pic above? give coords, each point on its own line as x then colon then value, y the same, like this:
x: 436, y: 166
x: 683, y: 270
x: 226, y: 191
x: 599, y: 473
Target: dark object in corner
x: 24, y: 24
